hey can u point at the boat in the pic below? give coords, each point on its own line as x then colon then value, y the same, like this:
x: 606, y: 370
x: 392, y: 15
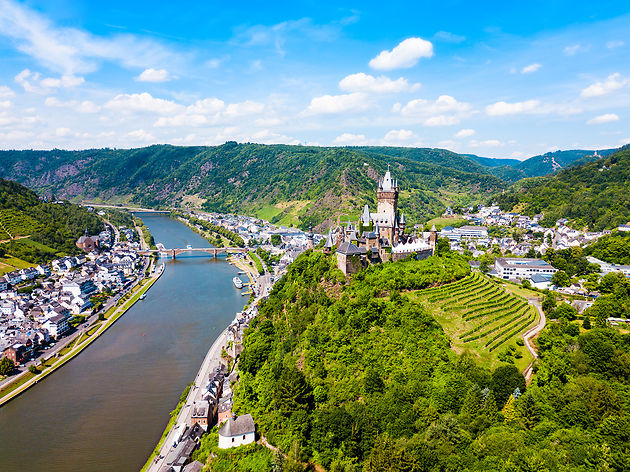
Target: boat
x: 238, y: 283
x: 188, y: 246
x: 143, y: 296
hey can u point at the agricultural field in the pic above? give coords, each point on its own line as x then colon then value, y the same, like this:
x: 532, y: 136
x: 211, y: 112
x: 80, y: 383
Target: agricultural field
x: 482, y: 317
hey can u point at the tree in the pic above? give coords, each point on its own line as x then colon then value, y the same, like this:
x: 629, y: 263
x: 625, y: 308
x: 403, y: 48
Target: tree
x: 561, y: 279
x: 549, y: 303
x: 505, y: 379
x: 586, y: 324
x: 373, y: 382
x: 6, y: 366
x: 509, y: 412
x: 276, y: 240
x: 483, y: 267
x: 32, y: 369
x: 443, y: 246
x: 564, y: 310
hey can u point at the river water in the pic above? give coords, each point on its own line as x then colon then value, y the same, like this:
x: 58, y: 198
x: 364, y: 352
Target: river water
x: 107, y: 408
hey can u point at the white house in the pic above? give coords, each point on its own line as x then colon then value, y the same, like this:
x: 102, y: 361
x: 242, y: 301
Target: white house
x: 237, y: 431
x: 517, y: 268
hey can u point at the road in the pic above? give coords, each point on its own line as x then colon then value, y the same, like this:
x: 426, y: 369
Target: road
x: 529, y: 335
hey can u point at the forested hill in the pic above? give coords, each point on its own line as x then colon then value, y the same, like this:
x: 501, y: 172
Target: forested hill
x: 594, y: 194
x: 354, y: 375
x: 287, y: 183
x: 37, y: 231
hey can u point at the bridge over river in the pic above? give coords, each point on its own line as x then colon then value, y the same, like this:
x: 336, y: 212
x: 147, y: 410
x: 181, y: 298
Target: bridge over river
x: 173, y: 253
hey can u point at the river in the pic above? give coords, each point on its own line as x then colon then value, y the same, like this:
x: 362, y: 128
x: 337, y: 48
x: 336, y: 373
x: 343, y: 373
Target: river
x: 107, y: 408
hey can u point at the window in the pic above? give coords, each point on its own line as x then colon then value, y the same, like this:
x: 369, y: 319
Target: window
x: 243, y: 436
x: 232, y: 439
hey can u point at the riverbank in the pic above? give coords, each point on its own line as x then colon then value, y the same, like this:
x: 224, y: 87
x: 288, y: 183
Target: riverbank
x: 181, y: 414
x: 83, y: 340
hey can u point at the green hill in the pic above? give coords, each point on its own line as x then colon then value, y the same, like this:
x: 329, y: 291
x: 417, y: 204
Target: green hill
x: 286, y: 184
x: 353, y: 374
x: 593, y: 195
x: 37, y: 231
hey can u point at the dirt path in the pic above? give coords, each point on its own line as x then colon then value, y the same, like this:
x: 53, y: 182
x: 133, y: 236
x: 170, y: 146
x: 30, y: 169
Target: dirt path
x: 527, y: 338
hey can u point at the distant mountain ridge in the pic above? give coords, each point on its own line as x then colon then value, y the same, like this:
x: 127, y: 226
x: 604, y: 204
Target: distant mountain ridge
x: 284, y: 184
x: 592, y: 194
x: 543, y: 164
x: 281, y: 183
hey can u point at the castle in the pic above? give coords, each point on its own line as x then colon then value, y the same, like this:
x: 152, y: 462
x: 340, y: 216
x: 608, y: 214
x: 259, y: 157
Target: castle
x: 378, y: 237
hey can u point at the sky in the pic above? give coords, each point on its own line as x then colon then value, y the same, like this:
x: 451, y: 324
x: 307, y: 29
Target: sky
x: 496, y: 79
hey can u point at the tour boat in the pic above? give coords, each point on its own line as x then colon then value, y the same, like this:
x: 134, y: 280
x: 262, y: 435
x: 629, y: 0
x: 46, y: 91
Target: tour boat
x: 238, y: 283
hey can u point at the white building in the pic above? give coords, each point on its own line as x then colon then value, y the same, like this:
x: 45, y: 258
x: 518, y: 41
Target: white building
x: 465, y: 232
x: 607, y: 267
x: 517, y: 268
x: 237, y: 431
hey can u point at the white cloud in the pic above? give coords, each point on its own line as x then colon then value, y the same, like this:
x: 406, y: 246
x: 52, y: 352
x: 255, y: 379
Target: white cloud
x: 331, y: 104
x: 183, y: 119
x: 449, y: 37
x: 63, y: 132
x: 442, y: 120
x: 349, y: 139
x: 85, y: 106
x: 399, y: 135
x: 531, y: 68
x: 366, y: 83
x: 142, y: 102
x: 486, y: 143
x: 6, y: 104
x: 6, y: 92
x: 70, y: 50
x: 210, y: 111
x: 504, y: 108
x: 403, y: 56
x: 207, y: 106
x: 614, y: 44
x: 246, y: 108
x: 612, y: 83
x: 465, y: 133
x: 573, y: 49
x: 154, y: 75
x: 33, y: 82
x: 606, y: 118
x: 444, y: 104
x: 141, y: 135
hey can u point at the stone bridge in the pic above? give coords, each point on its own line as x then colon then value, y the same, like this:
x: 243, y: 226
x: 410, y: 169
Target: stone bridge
x: 173, y: 253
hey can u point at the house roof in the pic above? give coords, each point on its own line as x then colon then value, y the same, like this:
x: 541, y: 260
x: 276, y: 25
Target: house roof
x: 348, y: 249
x: 238, y: 426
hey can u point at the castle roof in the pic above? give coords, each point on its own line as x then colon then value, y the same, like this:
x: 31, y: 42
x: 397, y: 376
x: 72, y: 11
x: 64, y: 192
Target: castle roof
x: 348, y: 249
x: 329, y: 239
x: 365, y: 216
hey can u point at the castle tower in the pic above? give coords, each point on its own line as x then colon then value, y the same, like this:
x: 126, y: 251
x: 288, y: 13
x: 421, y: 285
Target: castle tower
x: 433, y: 238
x: 387, y: 195
x: 309, y: 243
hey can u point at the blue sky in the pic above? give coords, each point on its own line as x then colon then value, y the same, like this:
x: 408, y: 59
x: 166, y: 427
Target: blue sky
x: 494, y: 79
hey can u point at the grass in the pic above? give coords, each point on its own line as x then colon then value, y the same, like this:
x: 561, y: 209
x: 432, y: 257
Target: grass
x: 16, y: 263
x: 257, y: 262
x: 440, y: 222
x: 481, y: 317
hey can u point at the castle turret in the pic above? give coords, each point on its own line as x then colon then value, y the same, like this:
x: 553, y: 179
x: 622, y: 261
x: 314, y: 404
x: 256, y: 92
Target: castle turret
x: 309, y: 243
x: 433, y: 238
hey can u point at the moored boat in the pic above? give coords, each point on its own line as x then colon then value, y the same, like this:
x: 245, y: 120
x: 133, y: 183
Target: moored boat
x: 238, y: 283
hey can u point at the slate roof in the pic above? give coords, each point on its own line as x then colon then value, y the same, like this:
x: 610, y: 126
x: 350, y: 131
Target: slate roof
x: 243, y: 424
x: 348, y: 249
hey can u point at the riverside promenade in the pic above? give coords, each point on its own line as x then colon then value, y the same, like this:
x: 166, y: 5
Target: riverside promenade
x: 209, y: 364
